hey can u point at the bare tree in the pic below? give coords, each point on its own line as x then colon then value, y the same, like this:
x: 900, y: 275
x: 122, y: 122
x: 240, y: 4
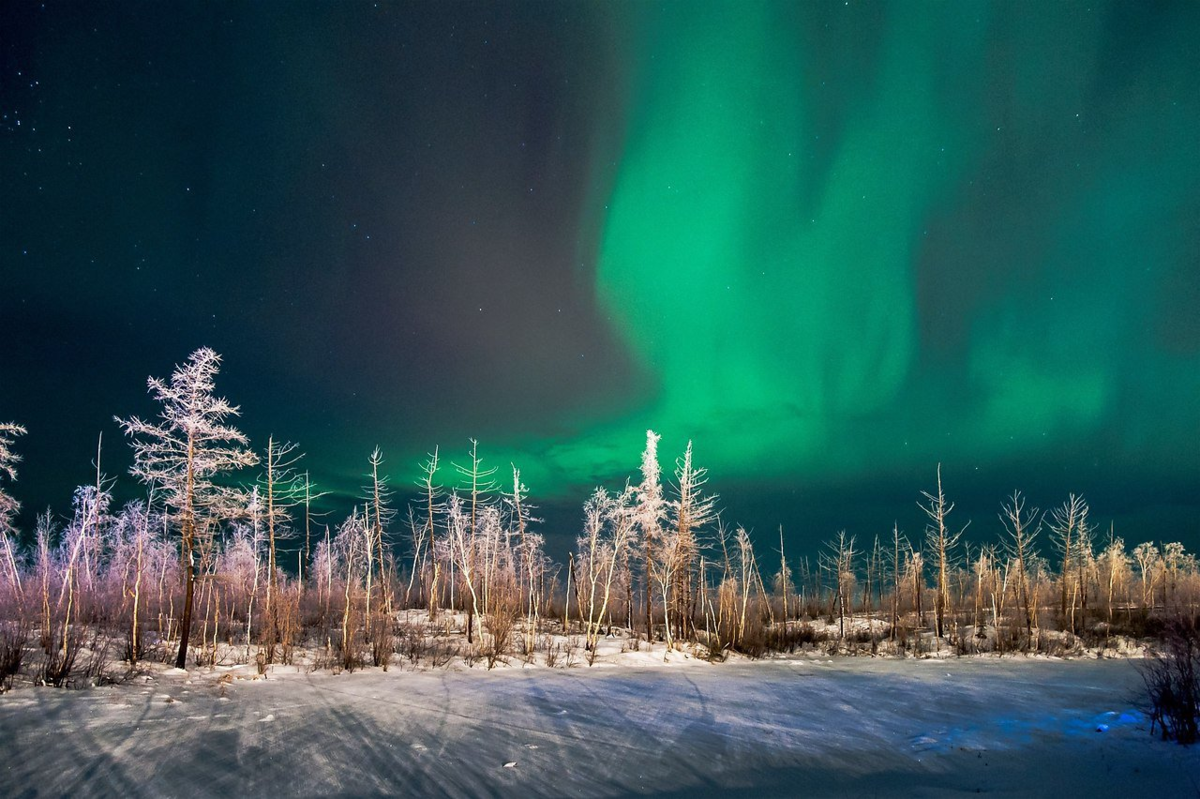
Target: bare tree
x: 378, y: 508
x: 608, y: 525
x: 431, y: 499
x: 941, y: 543
x: 839, y: 560
x: 1114, y: 572
x: 1149, y: 563
x: 9, y: 506
x: 899, y: 543
x: 281, y: 491
x: 528, y: 559
x: 650, y: 513
x: 182, y: 453
x: 310, y: 497
x: 690, y: 512
x: 783, y: 581
x: 1018, y: 521
x: 1068, y: 530
x: 478, y: 483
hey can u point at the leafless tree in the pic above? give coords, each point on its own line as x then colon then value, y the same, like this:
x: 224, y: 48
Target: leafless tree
x: 1071, y: 537
x: 1020, y: 535
x: 182, y: 453
x: 783, y: 581
x: 9, y: 506
x: 1115, y: 573
x: 378, y: 508
x: 650, y: 513
x: 940, y: 542
x: 281, y: 490
x: 839, y: 560
x: 1149, y: 563
x: 689, y: 513
x: 608, y: 525
x: 431, y: 501
x: 899, y: 543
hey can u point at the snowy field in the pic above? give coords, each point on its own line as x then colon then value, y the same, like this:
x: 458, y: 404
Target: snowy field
x: 795, y: 727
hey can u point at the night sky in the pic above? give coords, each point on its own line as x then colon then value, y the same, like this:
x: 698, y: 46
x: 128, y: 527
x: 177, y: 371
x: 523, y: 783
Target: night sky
x: 833, y: 243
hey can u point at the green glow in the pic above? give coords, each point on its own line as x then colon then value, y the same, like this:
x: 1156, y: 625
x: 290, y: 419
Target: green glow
x: 761, y: 253
x: 770, y: 294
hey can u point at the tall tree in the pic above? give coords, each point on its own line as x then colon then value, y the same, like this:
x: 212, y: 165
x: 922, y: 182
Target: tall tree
x: 9, y: 506
x: 1065, y: 530
x: 431, y: 501
x: 478, y: 483
x: 650, y: 513
x: 690, y: 512
x: 1018, y: 523
x: 941, y: 543
x: 281, y: 489
x: 377, y: 504
x: 183, y: 452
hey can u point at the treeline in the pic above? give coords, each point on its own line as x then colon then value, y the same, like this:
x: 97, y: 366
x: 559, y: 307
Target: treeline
x: 191, y: 573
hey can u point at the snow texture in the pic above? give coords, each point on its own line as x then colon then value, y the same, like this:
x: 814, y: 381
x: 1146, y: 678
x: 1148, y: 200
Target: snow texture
x: 798, y: 727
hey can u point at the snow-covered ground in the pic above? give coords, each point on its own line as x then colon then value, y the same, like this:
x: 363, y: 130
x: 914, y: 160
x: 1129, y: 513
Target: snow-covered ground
x: 792, y: 727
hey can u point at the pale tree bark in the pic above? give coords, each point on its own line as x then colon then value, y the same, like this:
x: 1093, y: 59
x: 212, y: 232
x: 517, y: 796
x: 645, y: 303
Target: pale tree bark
x: 183, y: 452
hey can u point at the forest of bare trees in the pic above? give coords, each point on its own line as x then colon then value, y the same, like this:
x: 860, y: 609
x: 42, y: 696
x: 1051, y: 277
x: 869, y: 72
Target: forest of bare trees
x: 192, y: 572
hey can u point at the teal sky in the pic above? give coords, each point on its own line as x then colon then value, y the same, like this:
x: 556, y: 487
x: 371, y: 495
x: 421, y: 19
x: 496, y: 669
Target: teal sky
x: 834, y: 244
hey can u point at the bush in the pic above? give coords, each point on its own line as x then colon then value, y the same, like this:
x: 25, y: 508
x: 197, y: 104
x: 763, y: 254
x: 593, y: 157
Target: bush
x: 382, y: 643
x: 502, y: 616
x: 59, y: 664
x: 13, y: 636
x: 1172, y: 676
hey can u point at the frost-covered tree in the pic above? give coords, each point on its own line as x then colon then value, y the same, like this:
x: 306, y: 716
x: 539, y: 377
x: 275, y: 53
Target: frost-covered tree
x: 1149, y: 563
x: 650, y: 513
x: 1071, y: 536
x: 607, y: 529
x: 1018, y: 521
x: 430, y: 508
x: 839, y: 562
x: 529, y: 559
x: 689, y: 512
x: 132, y: 542
x: 9, y: 506
x: 464, y: 551
x: 280, y: 489
x: 377, y: 505
x: 182, y: 453
x: 940, y: 543
x: 1115, y: 573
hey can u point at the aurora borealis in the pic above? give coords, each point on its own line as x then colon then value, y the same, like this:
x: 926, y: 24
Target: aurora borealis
x: 833, y: 243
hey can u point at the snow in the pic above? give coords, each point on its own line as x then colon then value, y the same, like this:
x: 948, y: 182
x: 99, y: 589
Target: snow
x: 801, y: 726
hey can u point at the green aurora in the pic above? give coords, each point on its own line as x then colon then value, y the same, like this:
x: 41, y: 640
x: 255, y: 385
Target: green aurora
x: 832, y: 262
x: 833, y: 243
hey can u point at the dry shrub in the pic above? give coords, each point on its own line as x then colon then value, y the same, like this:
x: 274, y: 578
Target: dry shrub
x: 349, y: 650
x: 571, y: 651
x: 470, y: 653
x: 554, y: 650
x: 95, y: 664
x: 753, y: 642
x: 382, y: 641
x: 412, y: 645
x: 13, y: 637
x: 59, y: 663
x: 289, y: 632
x: 1172, y: 676
x: 440, y: 648
x: 793, y: 636
x: 501, y: 618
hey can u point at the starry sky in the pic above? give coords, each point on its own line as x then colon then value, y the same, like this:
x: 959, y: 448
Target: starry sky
x: 834, y: 244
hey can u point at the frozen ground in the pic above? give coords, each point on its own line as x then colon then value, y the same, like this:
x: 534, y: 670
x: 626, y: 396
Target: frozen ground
x: 798, y: 727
